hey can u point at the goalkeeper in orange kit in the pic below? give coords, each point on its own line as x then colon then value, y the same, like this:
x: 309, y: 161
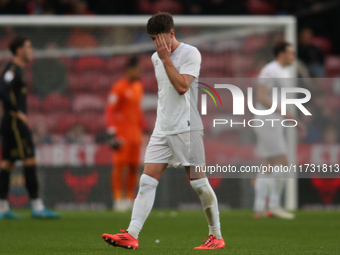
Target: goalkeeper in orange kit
x: 125, y: 122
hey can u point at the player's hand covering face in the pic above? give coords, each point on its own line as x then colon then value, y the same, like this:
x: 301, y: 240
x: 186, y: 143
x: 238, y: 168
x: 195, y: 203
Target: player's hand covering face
x: 162, y: 48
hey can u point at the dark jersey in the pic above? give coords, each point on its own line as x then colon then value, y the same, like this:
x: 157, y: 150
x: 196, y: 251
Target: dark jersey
x: 16, y: 137
x: 13, y: 90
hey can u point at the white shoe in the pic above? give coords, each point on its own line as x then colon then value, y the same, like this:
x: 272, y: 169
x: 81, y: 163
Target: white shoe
x: 119, y: 205
x: 281, y: 213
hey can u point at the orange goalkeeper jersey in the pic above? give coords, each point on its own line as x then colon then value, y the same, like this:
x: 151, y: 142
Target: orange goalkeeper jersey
x: 124, y: 111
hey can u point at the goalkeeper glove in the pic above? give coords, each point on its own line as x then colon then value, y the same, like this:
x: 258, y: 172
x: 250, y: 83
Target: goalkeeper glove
x: 113, y: 141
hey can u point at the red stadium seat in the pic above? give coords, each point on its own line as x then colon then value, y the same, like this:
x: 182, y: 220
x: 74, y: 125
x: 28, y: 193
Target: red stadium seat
x: 72, y: 81
x: 213, y: 61
x: 332, y: 66
x: 149, y: 82
x: 171, y: 6
x: 254, y: 43
x: 89, y: 63
x: 333, y: 102
x: 80, y: 38
x: 253, y: 74
x: 325, y: 84
x: 75, y: 84
x: 323, y: 44
x: 5, y: 41
x: 213, y: 74
x: 103, y: 83
x: 144, y: 6
x: 145, y: 62
x: 33, y: 118
x: 68, y: 62
x: 33, y: 103
x: 50, y: 120
x: 240, y: 63
x: 65, y: 122
x: 94, y: 123
x: 90, y: 78
x: 88, y: 81
x: 55, y: 102
x: 260, y: 7
x: 116, y: 63
x: 86, y: 102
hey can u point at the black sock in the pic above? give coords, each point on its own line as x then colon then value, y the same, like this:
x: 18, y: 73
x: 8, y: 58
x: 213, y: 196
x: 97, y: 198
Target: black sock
x: 31, y: 179
x: 4, y: 183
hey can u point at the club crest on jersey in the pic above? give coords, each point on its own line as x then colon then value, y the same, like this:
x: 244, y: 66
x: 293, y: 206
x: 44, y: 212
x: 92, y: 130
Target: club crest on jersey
x: 8, y: 76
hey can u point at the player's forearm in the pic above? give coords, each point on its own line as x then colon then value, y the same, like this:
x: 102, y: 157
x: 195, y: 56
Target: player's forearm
x: 176, y: 79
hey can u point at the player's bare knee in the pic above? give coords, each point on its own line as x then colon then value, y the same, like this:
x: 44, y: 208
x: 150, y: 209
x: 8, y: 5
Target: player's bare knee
x: 154, y: 170
x: 193, y: 174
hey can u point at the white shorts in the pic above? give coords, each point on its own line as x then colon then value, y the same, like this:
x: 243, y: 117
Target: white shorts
x: 270, y: 140
x: 186, y: 149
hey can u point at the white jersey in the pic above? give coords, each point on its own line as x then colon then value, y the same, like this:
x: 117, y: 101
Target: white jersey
x: 177, y: 113
x: 274, y: 70
x: 273, y: 75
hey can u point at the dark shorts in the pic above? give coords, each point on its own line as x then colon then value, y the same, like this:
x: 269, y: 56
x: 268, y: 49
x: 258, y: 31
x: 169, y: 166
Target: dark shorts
x: 17, y: 143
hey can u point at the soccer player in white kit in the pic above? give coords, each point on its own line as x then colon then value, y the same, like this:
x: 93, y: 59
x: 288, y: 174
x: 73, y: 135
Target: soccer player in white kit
x: 178, y: 135
x: 271, y: 143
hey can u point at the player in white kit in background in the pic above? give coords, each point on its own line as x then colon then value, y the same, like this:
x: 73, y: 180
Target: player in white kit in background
x: 271, y: 142
x: 178, y: 135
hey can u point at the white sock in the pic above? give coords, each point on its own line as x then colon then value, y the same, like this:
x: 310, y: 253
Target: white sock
x: 261, y: 193
x: 276, y: 188
x: 209, y: 203
x: 4, y: 205
x: 143, y: 204
x: 37, y: 204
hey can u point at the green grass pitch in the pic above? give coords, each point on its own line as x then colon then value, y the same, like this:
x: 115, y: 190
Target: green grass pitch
x: 178, y: 232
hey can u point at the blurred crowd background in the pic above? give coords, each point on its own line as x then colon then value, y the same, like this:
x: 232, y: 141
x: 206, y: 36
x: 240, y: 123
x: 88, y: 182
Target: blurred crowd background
x: 321, y: 16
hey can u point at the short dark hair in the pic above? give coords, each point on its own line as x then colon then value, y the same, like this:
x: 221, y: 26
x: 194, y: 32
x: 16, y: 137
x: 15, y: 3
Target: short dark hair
x: 16, y: 43
x: 280, y: 47
x: 133, y: 62
x: 161, y: 22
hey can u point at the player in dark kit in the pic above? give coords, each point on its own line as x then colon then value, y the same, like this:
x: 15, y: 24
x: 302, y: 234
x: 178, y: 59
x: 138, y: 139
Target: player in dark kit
x: 16, y: 137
